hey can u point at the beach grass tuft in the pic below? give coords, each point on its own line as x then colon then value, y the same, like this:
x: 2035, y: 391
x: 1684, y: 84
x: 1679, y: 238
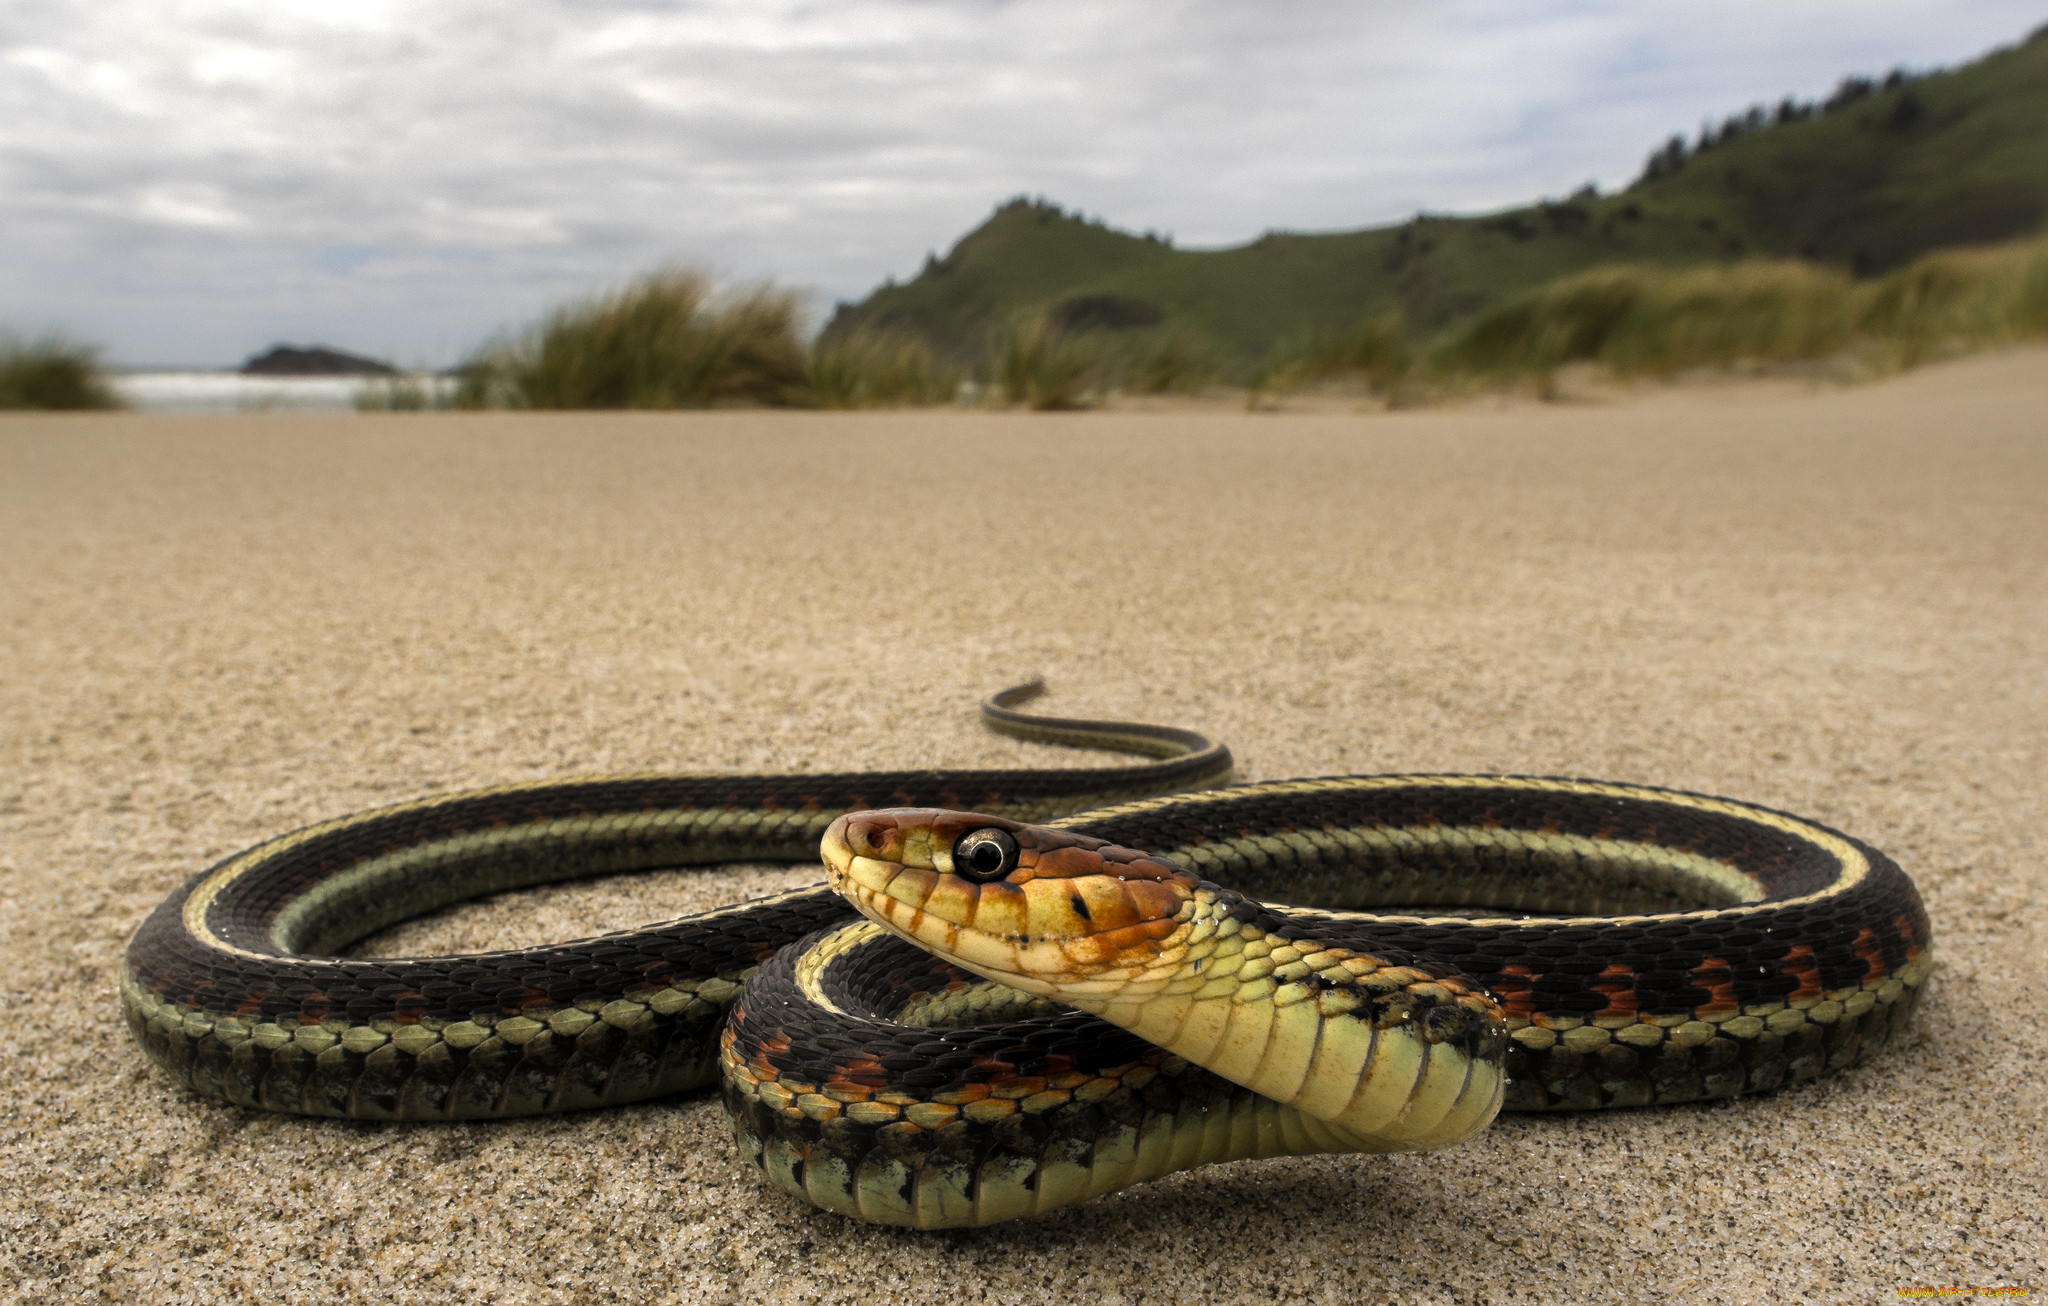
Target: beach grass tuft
x: 663, y: 342
x: 408, y: 392
x: 52, y: 373
x: 1376, y: 353
x: 1958, y: 300
x: 878, y: 371
x: 1176, y: 362
x: 1048, y: 369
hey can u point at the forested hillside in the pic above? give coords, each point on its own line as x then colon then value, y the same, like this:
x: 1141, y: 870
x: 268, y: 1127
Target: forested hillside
x: 1881, y: 172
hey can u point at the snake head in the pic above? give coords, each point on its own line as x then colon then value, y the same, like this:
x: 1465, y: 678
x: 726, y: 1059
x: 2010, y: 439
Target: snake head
x: 1036, y: 908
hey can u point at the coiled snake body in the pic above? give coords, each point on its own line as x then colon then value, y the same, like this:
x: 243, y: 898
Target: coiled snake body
x: 1027, y: 1015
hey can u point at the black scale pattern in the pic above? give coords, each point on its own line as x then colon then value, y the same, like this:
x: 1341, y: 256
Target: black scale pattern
x: 662, y: 1053
x: 603, y: 1063
x: 1661, y: 954
x: 775, y: 1028
x: 869, y: 985
x: 168, y: 961
x: 1549, y: 968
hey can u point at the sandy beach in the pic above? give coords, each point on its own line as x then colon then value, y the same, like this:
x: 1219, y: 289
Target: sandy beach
x: 1829, y: 600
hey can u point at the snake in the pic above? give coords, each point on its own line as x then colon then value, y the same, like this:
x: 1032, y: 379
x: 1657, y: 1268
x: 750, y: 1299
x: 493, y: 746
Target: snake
x: 1018, y: 990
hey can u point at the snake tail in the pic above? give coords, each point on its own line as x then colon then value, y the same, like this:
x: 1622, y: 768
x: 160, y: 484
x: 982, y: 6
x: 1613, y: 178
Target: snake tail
x: 234, y: 987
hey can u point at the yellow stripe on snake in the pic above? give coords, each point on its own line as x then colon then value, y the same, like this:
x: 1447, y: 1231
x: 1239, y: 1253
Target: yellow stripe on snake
x: 1058, y: 982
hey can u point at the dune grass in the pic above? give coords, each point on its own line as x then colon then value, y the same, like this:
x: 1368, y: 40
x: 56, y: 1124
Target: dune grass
x: 1174, y: 362
x: 663, y: 342
x: 1959, y: 300
x: 1655, y: 322
x: 876, y: 371
x: 1648, y: 322
x: 408, y: 392
x: 1376, y: 353
x: 52, y: 373
x: 1048, y: 369
x: 668, y: 342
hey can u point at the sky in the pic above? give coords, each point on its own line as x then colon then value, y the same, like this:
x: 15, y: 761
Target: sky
x: 185, y: 182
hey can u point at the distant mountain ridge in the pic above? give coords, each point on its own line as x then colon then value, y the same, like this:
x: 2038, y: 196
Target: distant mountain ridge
x: 1880, y: 173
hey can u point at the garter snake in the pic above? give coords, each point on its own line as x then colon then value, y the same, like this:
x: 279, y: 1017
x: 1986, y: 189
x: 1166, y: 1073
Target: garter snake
x: 1060, y: 982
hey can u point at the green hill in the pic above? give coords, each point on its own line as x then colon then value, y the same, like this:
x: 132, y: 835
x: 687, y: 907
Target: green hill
x: 1879, y: 174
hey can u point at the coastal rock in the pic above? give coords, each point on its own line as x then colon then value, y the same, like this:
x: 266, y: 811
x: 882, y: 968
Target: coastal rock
x: 314, y: 360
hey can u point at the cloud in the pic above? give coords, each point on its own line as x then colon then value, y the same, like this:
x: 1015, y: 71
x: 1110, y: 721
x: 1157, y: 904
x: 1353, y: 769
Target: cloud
x: 189, y: 181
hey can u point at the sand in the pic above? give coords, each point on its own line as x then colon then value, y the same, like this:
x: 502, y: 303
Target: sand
x: 215, y: 629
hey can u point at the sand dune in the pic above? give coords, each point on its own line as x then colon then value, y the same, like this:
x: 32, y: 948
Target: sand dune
x: 216, y: 629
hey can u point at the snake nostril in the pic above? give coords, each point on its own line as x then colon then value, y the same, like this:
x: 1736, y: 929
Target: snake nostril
x: 869, y: 838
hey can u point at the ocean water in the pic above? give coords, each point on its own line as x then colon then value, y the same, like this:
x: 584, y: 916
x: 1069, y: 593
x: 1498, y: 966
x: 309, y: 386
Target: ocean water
x: 233, y: 392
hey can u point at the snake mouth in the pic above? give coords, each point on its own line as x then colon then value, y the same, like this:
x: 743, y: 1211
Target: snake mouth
x: 1068, y: 909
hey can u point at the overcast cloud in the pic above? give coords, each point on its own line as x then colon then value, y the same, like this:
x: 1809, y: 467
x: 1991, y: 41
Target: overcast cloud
x: 187, y: 182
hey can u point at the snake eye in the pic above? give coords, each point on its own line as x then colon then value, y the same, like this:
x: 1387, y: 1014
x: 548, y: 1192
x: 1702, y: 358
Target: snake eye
x: 985, y: 854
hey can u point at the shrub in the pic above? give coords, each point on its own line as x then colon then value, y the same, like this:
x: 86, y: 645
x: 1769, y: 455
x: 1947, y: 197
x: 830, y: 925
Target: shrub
x: 53, y: 374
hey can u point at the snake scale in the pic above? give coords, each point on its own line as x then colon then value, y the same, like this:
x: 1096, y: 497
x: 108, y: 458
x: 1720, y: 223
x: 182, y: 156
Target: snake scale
x: 1021, y: 989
